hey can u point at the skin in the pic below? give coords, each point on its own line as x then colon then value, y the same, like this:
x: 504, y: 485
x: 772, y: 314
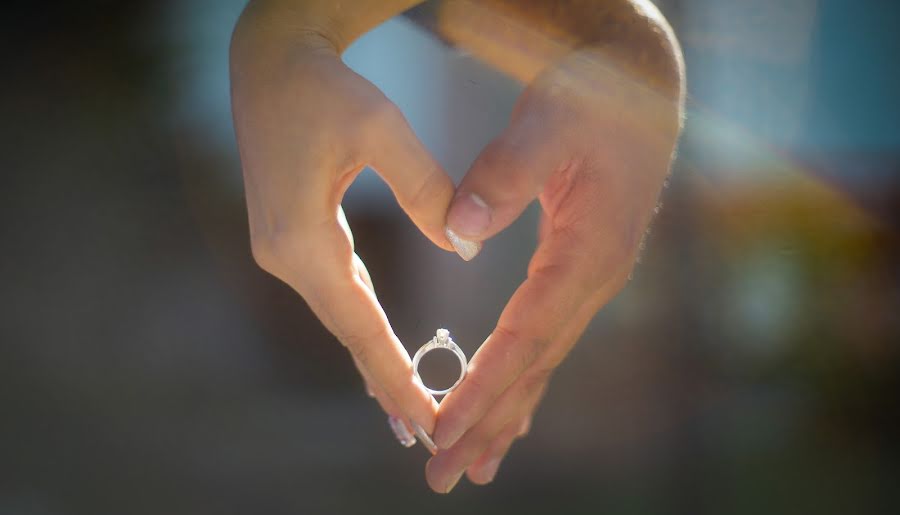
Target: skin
x: 591, y: 138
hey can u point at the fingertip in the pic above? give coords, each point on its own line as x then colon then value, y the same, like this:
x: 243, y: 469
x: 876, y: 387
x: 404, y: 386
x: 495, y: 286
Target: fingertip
x: 457, y: 414
x: 432, y: 479
x: 466, y: 249
x: 453, y: 482
x: 445, y: 436
x: 485, y: 473
x: 433, y: 476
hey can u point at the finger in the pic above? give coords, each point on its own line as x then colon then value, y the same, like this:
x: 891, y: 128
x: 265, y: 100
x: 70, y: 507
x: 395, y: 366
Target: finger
x: 367, y: 382
x: 363, y: 273
x: 569, y: 279
x: 422, y: 187
x: 353, y: 315
x: 399, y: 426
x: 512, y: 348
x: 484, y: 470
x: 345, y: 226
x: 333, y: 284
x: 516, y: 404
x: 507, y: 175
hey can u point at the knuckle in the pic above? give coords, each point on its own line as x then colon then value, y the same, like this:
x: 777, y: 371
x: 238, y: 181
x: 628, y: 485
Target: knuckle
x: 533, y: 382
x: 476, y: 383
x: 478, y: 437
x: 519, y: 350
x: 357, y: 348
x: 428, y: 189
x: 359, y: 344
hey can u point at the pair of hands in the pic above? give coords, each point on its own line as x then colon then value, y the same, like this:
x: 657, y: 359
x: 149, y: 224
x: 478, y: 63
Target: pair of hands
x: 581, y: 139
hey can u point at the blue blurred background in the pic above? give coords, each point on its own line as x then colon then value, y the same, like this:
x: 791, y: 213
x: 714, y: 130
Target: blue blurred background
x: 148, y: 366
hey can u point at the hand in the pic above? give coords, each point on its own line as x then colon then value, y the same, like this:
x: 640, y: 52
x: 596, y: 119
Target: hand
x: 306, y: 126
x: 594, y: 148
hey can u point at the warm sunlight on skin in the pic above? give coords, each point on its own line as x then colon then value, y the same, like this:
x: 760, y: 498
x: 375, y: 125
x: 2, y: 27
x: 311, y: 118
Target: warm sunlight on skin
x: 591, y: 137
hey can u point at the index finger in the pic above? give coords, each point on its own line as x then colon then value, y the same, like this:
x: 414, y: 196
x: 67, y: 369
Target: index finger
x: 570, y: 277
x: 327, y: 280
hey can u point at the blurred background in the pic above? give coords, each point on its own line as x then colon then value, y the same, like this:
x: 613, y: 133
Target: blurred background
x: 148, y: 366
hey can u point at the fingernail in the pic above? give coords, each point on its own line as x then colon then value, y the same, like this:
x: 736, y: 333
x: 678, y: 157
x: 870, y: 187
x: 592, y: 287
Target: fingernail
x: 424, y: 438
x: 453, y: 482
x: 490, y: 469
x: 469, y: 215
x: 465, y: 248
x: 369, y: 391
x: 446, y: 440
x: 401, y: 432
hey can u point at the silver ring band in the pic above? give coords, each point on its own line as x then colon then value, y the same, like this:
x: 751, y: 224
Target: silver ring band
x: 441, y: 340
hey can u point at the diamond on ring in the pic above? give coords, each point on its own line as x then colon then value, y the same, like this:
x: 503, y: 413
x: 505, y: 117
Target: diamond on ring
x: 441, y: 340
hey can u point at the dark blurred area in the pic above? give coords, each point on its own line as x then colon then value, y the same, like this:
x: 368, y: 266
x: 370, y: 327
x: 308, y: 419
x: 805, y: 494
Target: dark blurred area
x: 148, y: 366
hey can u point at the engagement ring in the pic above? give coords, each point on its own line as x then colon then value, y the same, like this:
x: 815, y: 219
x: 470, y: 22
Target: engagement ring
x: 441, y: 340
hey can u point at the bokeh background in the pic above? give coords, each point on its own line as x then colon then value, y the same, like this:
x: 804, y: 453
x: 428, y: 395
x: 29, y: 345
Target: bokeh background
x: 147, y: 366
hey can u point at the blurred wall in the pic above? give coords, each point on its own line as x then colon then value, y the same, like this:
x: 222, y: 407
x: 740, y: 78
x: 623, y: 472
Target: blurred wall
x: 149, y: 366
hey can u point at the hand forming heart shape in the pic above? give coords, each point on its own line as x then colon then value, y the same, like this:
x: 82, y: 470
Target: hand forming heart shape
x: 588, y: 141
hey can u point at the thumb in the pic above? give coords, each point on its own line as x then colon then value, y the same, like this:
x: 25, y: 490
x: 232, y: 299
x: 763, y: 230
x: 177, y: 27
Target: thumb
x: 503, y: 180
x: 422, y: 188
